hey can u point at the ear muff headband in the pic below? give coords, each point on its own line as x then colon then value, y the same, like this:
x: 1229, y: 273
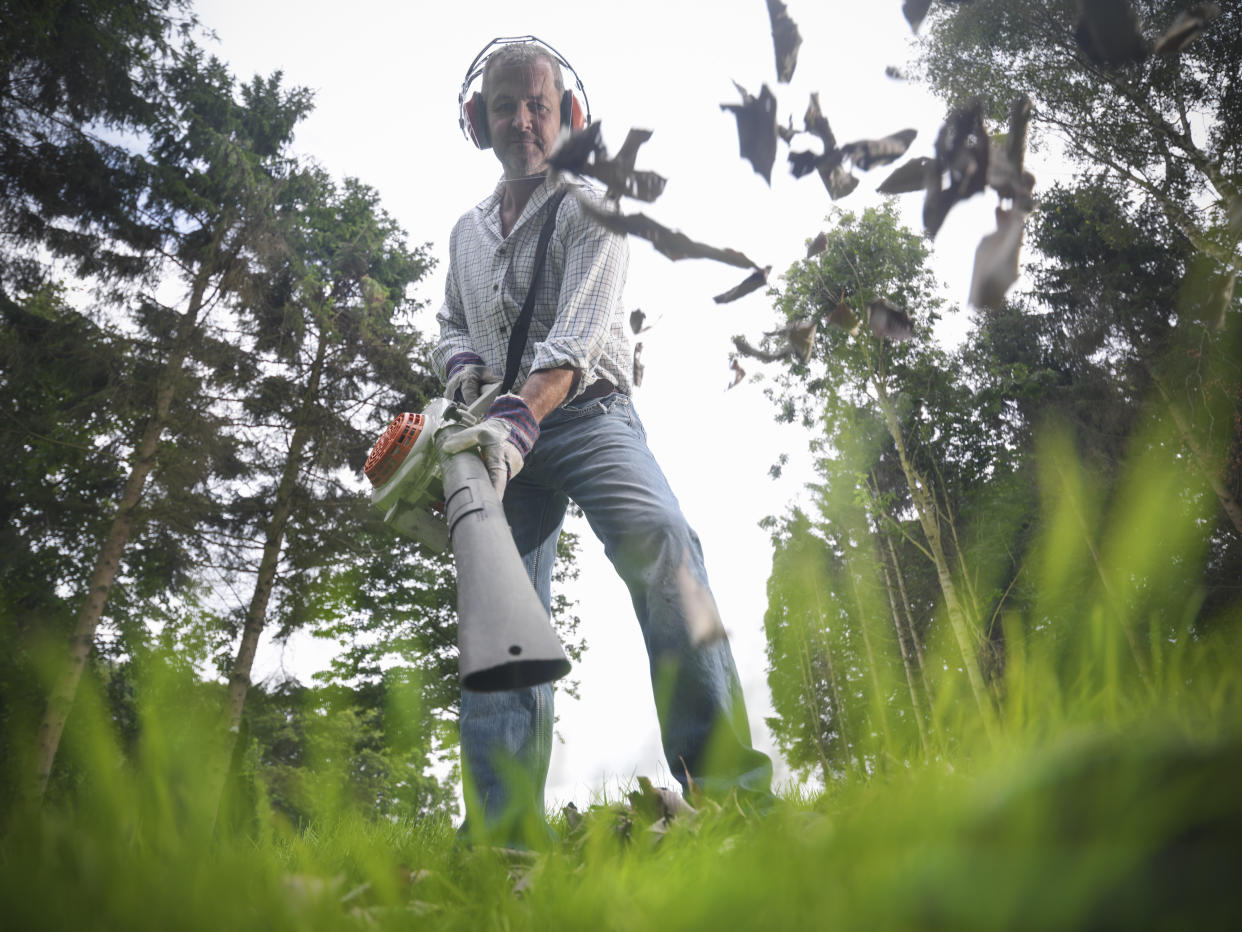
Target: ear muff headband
x: 472, y: 110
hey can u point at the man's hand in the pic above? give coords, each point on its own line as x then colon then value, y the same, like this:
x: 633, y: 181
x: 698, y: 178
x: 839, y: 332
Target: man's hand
x: 467, y: 377
x: 504, y: 439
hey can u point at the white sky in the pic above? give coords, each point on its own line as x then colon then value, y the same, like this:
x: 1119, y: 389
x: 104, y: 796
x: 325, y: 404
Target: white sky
x: 386, y: 76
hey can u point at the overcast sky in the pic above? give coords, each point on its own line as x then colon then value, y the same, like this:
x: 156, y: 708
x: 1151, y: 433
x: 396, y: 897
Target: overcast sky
x: 386, y: 76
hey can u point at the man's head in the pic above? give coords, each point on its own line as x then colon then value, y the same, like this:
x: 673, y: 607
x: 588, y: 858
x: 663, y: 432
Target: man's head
x: 522, y: 92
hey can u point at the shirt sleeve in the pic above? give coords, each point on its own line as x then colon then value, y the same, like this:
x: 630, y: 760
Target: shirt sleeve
x: 592, y: 283
x: 454, y: 334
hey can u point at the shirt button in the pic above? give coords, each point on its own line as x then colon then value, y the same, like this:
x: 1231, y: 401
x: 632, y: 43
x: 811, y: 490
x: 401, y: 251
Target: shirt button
x: 495, y: 287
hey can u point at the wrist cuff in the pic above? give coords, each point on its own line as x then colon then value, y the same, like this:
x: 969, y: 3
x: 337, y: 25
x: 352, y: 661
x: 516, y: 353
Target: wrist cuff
x: 523, y: 428
x: 459, y: 360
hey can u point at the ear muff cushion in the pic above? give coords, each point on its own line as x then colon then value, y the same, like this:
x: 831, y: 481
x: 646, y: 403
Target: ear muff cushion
x: 571, y: 112
x: 476, y: 116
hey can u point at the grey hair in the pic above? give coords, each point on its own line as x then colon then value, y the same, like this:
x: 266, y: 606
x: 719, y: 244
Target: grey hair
x: 523, y: 53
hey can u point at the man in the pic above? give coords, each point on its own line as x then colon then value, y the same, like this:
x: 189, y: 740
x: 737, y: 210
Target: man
x: 570, y: 432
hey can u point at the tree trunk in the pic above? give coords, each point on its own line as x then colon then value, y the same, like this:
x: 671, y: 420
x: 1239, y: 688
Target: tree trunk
x: 269, y: 563
x: 930, y: 523
x: 108, y: 562
x: 1230, y: 505
x: 915, y: 704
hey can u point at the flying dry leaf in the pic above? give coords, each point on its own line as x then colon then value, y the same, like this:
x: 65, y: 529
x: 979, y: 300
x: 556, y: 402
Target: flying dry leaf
x: 837, y: 180
x: 817, y: 124
x: 787, y: 132
x: 1109, y: 33
x: 908, y: 177
x: 866, y: 153
x: 738, y: 372
x: 914, y: 11
x: 894, y: 73
x: 996, y: 260
x: 800, y: 335
x: 756, y: 129
x: 962, y: 149
x: 1187, y: 26
x: 886, y: 319
x: 843, y: 316
x: 743, y: 346
x: 638, y: 365
x: 636, y: 320
x: 584, y: 153
x: 817, y: 245
x: 671, y: 243
x: 755, y: 280
x: 785, y: 40
x: 803, y: 162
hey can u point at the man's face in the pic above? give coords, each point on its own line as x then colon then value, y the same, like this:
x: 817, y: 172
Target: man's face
x: 523, y: 116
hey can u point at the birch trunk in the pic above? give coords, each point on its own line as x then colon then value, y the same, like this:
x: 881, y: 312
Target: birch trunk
x: 929, y: 521
x: 269, y: 563
x: 103, y: 575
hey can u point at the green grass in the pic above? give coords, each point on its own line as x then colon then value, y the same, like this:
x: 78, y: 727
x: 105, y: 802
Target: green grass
x: 1108, y: 796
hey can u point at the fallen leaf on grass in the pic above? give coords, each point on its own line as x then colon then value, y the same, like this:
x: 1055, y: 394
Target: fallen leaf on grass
x: 756, y: 128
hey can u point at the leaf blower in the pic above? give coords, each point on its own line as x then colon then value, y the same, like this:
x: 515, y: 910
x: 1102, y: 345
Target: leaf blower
x: 504, y: 636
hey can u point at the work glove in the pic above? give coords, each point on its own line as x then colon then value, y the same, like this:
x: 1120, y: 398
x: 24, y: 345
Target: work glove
x: 467, y: 377
x: 504, y: 438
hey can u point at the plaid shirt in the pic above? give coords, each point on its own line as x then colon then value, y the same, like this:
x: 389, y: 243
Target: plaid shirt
x: 578, y: 319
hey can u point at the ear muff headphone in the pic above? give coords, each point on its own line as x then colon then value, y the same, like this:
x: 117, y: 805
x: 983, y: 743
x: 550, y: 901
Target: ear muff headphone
x: 472, y: 109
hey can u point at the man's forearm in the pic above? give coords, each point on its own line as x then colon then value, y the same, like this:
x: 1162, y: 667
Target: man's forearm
x: 546, y: 389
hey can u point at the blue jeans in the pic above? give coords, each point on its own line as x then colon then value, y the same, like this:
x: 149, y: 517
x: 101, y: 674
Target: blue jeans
x: 595, y: 453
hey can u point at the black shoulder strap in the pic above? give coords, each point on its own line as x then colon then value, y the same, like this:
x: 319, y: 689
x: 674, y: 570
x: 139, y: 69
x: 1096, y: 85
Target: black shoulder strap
x: 521, y: 326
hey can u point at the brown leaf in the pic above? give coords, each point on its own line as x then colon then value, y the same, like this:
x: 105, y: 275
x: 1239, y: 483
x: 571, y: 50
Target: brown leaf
x: 755, y: 280
x: 817, y: 245
x: 636, y: 320
x: 756, y: 128
x: 996, y: 260
x: 1109, y: 33
x: 787, y: 132
x: 843, y: 316
x: 584, y: 153
x: 962, y: 150
x: 671, y: 243
x: 817, y: 124
x: 744, y: 348
x: 909, y: 177
x: 837, y: 180
x: 1187, y: 26
x: 639, y: 368
x: 914, y: 11
x: 888, y: 320
x: 738, y: 372
x: 785, y: 40
x: 801, y: 336
x: 866, y: 153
